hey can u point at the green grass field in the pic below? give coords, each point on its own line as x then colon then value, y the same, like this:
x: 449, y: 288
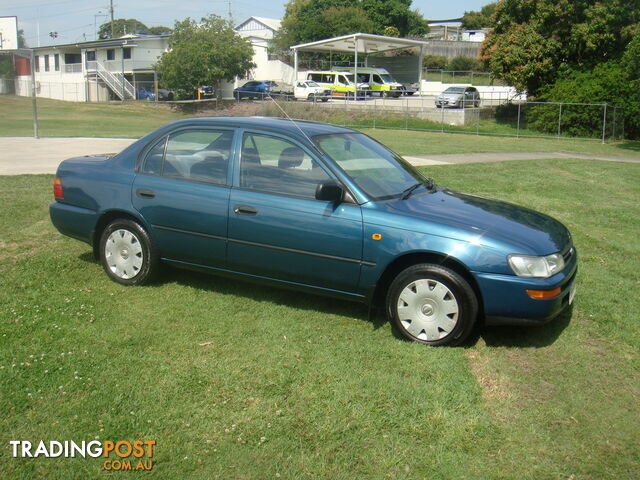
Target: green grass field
x: 238, y: 381
x: 133, y: 120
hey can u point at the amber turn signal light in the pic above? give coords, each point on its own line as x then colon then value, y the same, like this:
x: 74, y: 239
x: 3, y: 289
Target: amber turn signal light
x: 544, y: 294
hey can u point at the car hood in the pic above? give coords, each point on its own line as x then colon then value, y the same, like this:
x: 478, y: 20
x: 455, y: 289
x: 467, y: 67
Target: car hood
x: 450, y: 95
x: 488, y: 221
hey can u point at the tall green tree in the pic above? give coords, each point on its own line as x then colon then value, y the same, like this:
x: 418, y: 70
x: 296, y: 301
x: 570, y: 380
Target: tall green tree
x: 311, y: 20
x: 476, y: 20
x: 534, y: 40
x: 121, y: 27
x: 159, y: 30
x: 203, y: 53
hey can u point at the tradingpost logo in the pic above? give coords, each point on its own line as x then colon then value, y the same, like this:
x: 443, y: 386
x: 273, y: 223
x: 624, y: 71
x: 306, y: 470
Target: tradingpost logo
x: 118, y: 456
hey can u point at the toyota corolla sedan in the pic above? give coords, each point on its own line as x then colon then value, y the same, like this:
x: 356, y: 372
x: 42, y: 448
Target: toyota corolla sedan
x: 319, y: 208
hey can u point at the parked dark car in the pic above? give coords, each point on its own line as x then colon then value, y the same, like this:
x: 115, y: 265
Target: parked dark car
x: 458, y: 97
x: 320, y: 208
x: 254, y: 89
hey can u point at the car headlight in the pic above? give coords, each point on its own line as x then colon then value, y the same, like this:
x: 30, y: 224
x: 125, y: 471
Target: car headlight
x: 538, y: 267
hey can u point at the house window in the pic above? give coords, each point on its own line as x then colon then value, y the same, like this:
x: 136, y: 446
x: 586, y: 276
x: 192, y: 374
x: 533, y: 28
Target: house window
x: 126, y: 53
x: 111, y: 54
x: 56, y: 62
x: 36, y: 62
x: 46, y: 63
x: 91, y: 55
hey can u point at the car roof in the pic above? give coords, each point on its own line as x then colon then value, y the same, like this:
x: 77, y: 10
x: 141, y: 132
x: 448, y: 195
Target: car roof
x: 269, y: 123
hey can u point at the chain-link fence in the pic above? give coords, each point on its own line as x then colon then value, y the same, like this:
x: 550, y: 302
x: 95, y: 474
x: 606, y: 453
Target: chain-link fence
x: 492, y: 117
x: 491, y: 111
x: 460, y: 76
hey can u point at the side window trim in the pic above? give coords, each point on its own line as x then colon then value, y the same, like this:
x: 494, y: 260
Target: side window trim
x: 314, y: 157
x: 234, y: 149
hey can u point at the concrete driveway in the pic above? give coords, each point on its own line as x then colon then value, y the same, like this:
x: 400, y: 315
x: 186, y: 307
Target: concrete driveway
x: 20, y: 155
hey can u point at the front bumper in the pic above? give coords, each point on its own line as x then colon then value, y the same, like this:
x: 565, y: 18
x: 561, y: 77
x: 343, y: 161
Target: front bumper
x: 506, y: 301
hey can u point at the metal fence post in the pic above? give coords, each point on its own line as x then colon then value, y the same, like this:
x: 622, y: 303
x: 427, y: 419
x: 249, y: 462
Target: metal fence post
x: 518, y: 127
x: 604, y: 124
x: 560, y: 121
x: 406, y: 114
x: 615, y: 121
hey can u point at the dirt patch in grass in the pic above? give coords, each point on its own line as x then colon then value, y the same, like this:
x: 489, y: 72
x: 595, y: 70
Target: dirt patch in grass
x: 495, y: 388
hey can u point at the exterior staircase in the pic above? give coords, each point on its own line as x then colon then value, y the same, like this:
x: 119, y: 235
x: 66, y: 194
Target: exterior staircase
x: 116, y: 82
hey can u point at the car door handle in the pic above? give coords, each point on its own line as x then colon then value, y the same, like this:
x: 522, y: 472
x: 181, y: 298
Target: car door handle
x: 244, y: 210
x: 144, y: 193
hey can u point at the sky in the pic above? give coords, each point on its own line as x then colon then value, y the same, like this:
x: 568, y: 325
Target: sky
x: 76, y: 21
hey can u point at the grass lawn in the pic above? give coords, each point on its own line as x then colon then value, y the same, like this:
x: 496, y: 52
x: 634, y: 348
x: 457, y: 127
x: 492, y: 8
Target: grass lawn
x: 133, y: 120
x: 237, y: 381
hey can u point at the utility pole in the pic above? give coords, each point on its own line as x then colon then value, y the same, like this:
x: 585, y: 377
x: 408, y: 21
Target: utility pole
x: 111, y: 10
x: 230, y: 16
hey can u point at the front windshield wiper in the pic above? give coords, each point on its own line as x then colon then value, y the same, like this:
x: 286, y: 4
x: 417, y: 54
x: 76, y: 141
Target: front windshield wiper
x: 406, y: 193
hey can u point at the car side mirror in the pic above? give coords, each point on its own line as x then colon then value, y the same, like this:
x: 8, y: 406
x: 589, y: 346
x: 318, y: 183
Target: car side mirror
x: 329, y: 192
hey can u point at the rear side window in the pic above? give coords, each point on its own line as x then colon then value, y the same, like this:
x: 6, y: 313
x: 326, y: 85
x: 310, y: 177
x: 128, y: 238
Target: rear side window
x: 200, y: 155
x: 275, y: 165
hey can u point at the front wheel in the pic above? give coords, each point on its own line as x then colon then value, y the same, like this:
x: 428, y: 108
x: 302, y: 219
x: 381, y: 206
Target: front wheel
x: 126, y: 253
x: 431, y: 304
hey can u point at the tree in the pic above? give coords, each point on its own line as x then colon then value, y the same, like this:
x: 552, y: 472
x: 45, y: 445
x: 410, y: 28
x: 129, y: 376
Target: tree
x: 311, y: 20
x: 483, y: 19
x: 158, y: 30
x: 22, y: 43
x: 535, y: 40
x: 121, y: 27
x: 203, y: 53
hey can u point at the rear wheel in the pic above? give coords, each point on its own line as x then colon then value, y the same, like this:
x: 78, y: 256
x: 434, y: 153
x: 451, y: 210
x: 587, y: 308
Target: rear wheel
x: 431, y: 304
x: 126, y: 253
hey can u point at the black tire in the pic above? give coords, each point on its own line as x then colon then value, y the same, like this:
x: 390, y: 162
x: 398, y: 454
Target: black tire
x: 429, y: 282
x: 325, y: 99
x: 136, y: 261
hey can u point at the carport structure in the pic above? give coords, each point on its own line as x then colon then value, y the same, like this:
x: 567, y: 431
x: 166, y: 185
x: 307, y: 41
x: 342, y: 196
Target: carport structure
x: 359, y: 44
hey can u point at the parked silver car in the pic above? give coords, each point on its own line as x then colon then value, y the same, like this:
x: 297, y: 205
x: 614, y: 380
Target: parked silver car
x: 458, y: 97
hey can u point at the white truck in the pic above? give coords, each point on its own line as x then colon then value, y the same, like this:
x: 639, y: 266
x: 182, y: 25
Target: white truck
x: 303, y: 90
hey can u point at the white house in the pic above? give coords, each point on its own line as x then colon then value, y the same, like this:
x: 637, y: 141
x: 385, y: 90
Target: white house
x: 119, y: 68
x: 95, y: 71
x: 259, y: 31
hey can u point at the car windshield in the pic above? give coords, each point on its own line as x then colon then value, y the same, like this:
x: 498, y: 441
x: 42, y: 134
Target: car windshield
x: 379, y: 172
x: 362, y: 77
x: 388, y: 78
x: 454, y: 90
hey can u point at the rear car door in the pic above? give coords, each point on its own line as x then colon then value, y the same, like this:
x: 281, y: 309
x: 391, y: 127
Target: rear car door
x: 182, y: 192
x: 277, y: 228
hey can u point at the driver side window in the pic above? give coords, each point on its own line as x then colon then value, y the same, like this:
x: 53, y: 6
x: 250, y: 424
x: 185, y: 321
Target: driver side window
x: 275, y: 165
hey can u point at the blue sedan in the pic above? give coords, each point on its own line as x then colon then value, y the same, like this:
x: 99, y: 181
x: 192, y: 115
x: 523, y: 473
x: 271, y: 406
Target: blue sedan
x: 320, y: 208
x: 254, y: 89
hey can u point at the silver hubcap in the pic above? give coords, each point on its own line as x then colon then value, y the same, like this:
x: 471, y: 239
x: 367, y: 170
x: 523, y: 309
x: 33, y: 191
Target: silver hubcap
x: 427, y: 309
x: 123, y: 254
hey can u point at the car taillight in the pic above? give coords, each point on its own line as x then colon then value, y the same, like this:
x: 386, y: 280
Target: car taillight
x: 57, y: 188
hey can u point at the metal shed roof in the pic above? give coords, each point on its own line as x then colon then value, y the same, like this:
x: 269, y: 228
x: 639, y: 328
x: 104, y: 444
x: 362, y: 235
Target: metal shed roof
x: 364, y: 43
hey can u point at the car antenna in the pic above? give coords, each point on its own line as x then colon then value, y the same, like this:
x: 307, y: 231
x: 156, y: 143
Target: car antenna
x: 292, y: 121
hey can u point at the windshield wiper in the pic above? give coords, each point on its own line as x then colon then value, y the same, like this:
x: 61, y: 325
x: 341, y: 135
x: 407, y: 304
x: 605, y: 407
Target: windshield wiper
x: 407, y: 192
x: 430, y: 185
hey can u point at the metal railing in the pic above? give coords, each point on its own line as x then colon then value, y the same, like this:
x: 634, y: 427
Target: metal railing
x: 117, y: 82
x: 73, y: 68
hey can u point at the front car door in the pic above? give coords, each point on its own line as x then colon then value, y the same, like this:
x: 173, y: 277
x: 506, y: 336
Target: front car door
x: 182, y: 192
x: 278, y: 230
